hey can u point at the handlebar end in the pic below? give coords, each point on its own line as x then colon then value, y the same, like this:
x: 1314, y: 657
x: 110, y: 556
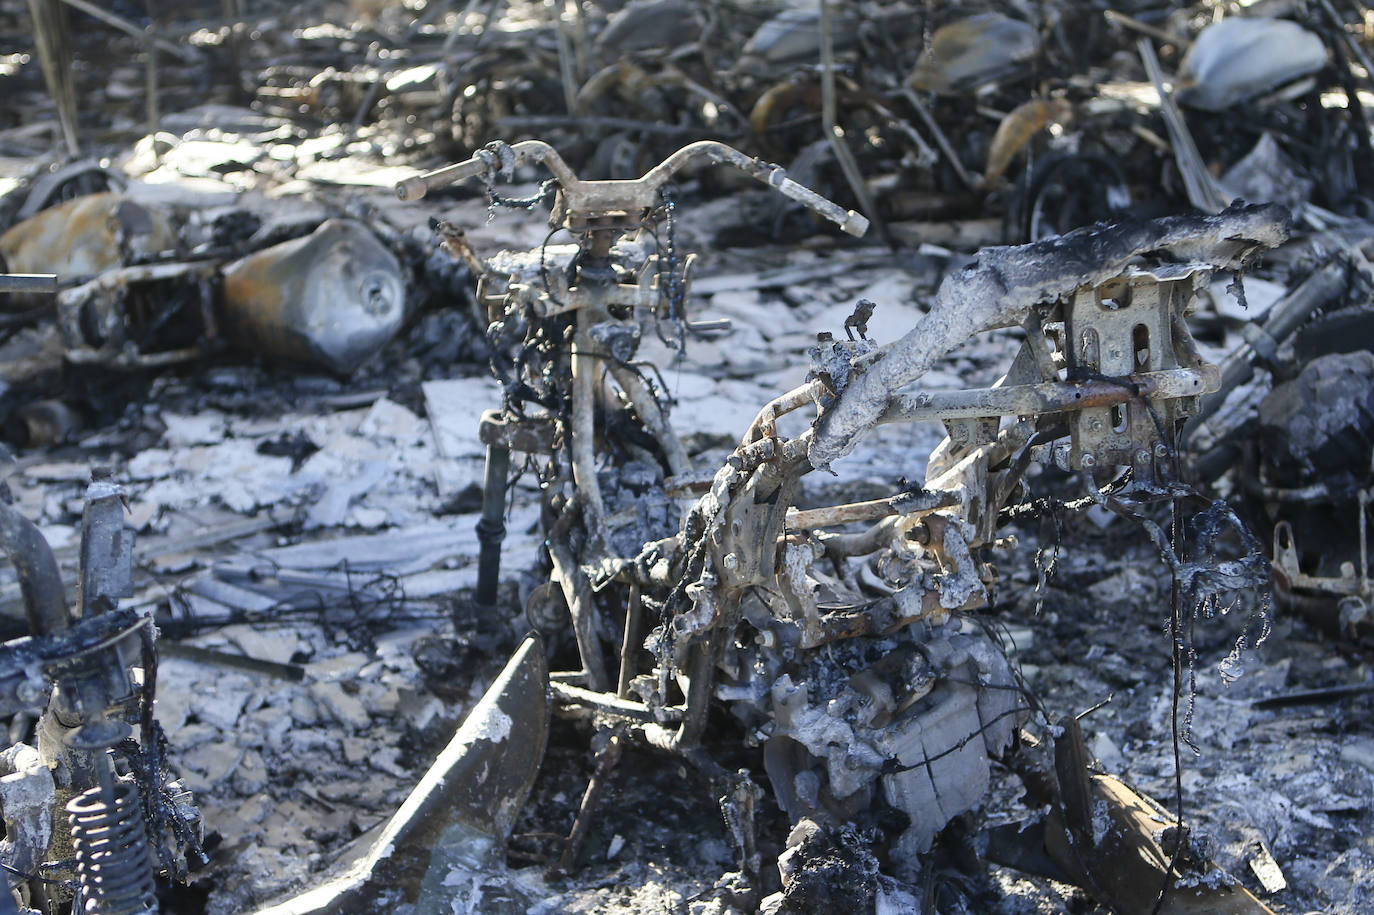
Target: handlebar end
x: 411, y: 188
x: 855, y: 224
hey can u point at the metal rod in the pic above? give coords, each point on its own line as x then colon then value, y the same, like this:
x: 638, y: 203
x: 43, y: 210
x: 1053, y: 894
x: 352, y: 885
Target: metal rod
x: 516, y: 122
x: 28, y: 282
x: 1144, y: 28
x: 50, y: 34
x: 491, y: 528
x: 831, y: 515
x: 606, y: 704
x: 293, y: 673
x: 633, y: 611
x: 151, y: 102
x: 1051, y: 396
x: 940, y: 139
x: 1364, y: 542
x: 605, y: 762
x: 835, y: 134
x: 129, y: 28
x: 566, y: 64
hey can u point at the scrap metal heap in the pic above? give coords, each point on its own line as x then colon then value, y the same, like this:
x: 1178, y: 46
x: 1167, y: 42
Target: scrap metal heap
x: 91, y: 814
x: 854, y: 659
x: 711, y: 613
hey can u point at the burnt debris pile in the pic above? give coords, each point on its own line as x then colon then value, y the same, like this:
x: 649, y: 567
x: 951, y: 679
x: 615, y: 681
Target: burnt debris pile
x: 707, y: 456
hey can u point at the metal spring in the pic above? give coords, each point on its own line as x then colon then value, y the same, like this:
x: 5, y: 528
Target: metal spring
x: 113, y: 863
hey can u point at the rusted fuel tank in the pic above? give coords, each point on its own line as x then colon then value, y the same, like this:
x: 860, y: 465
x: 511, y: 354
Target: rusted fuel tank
x: 331, y: 299
x: 86, y: 236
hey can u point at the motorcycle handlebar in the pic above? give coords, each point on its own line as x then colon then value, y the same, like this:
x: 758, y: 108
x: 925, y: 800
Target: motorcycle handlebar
x: 628, y: 194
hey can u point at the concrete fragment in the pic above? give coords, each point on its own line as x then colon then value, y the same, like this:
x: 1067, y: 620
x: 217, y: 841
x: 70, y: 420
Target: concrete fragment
x: 279, y: 646
x: 220, y: 700
x: 210, y: 764
x: 340, y: 705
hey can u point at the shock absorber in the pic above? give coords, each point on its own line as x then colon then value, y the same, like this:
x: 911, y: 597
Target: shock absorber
x: 113, y: 863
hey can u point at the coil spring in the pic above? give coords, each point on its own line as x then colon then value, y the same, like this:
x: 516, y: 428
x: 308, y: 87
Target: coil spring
x: 113, y: 864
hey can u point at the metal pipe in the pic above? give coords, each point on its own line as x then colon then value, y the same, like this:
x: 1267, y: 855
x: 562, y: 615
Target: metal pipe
x: 654, y: 418
x: 835, y: 134
x: 577, y: 592
x: 1050, y: 396
x: 764, y: 423
x: 491, y: 528
x: 485, y: 160
x: 583, y: 433
x: 640, y: 193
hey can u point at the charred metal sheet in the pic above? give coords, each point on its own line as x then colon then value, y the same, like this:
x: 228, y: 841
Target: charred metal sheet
x: 45, y: 598
x: 1238, y: 58
x: 331, y: 299
x: 1109, y: 837
x: 447, y: 840
x: 75, y: 179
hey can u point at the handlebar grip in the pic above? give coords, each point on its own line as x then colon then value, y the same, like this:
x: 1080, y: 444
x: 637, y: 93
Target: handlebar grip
x: 849, y: 221
x: 420, y: 185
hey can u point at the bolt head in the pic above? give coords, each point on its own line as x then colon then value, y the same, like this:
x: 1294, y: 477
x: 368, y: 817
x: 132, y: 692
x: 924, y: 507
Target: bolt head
x: 1161, y: 450
x: 730, y: 561
x: 1088, y: 461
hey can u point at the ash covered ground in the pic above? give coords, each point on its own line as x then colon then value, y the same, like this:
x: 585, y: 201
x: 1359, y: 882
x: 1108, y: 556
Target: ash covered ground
x: 308, y: 545
x: 292, y: 777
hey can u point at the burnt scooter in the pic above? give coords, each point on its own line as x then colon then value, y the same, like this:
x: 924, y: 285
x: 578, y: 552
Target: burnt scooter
x: 845, y: 639
x: 754, y: 594
x: 565, y: 323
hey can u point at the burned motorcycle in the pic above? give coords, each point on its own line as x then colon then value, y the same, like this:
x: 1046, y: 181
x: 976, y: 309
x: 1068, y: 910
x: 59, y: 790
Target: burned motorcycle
x: 851, y: 656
